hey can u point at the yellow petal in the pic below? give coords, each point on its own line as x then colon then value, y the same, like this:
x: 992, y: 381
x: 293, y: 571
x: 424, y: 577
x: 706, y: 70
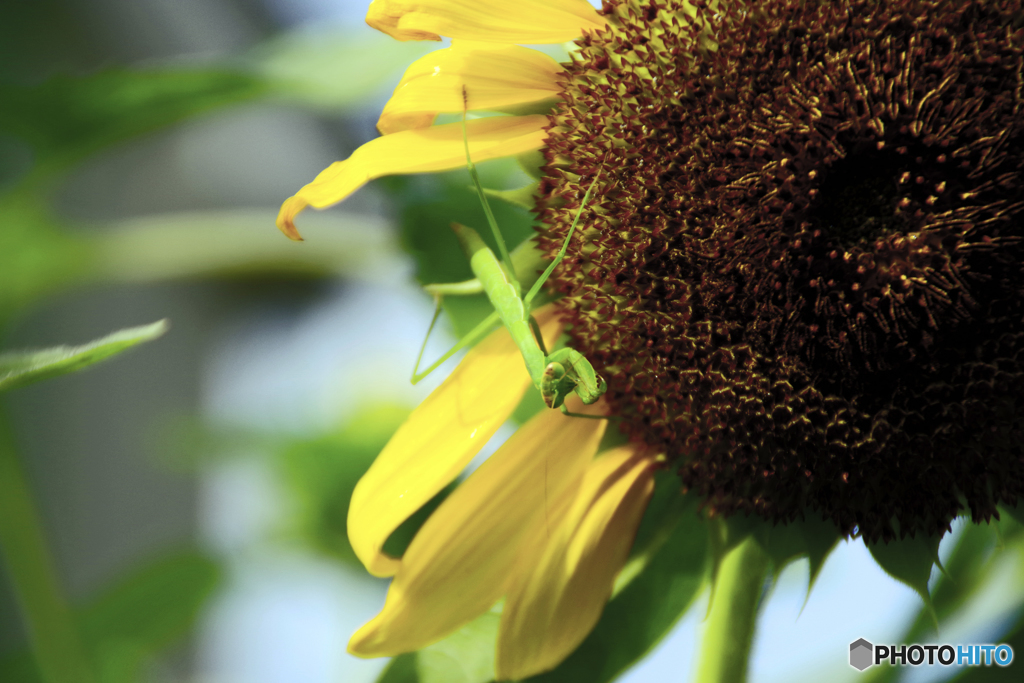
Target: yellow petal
x: 438, y: 440
x: 493, y: 77
x: 552, y: 607
x: 498, y: 21
x: 460, y: 561
x: 423, y: 150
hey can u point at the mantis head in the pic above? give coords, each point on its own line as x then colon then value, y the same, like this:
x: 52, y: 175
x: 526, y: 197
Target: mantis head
x: 568, y: 371
x: 555, y: 385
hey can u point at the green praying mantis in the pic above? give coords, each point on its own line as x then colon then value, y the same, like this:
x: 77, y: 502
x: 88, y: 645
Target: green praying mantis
x: 556, y: 374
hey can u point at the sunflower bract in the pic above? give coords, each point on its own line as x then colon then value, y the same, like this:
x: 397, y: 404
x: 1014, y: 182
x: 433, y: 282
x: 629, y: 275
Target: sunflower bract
x: 803, y: 280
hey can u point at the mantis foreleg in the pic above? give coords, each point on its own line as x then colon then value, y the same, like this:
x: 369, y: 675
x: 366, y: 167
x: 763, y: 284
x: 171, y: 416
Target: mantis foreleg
x: 535, y: 289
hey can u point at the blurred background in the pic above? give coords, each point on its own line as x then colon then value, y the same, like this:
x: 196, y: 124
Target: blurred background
x: 192, y: 493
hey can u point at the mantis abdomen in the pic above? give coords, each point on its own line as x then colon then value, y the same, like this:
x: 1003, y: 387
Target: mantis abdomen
x: 504, y: 294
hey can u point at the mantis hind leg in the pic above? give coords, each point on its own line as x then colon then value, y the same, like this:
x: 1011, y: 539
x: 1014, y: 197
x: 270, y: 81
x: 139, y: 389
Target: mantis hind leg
x: 471, y: 338
x: 439, y: 290
x: 464, y: 288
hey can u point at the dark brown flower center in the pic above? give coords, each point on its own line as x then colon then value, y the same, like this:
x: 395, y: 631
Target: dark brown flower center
x: 858, y: 202
x: 803, y: 275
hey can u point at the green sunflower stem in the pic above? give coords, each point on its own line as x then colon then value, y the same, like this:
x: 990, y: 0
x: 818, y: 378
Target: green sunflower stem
x: 51, y: 630
x: 725, y: 651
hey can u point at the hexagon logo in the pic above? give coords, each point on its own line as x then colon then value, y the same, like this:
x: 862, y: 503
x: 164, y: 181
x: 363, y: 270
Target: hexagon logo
x: 861, y: 654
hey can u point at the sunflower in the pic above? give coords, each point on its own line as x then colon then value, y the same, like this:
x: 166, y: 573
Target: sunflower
x: 801, y: 276
x: 547, y: 522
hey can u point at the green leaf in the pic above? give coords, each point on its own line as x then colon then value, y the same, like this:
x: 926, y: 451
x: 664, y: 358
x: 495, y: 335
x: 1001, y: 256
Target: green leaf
x: 909, y: 561
x: 154, y: 604
x: 672, y: 571
x: 24, y: 367
x: 401, y: 669
x: 466, y: 656
x: 146, y: 611
x: 812, y: 538
x: 998, y: 674
x: 19, y: 667
x: 523, y: 197
x: 966, y: 571
x: 36, y: 256
x: 69, y: 117
x: 1015, y: 513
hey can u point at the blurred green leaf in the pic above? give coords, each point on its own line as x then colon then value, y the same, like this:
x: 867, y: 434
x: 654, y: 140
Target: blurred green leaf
x: 1016, y: 512
x: 966, y: 571
x: 66, y: 118
x: 524, y: 197
x: 36, y: 257
x: 23, y: 367
x: 673, y: 556
x: 19, y: 667
x: 242, y: 242
x: 466, y: 656
x: 323, y: 472
x: 812, y: 538
x: 155, y: 603
x: 147, y: 610
x: 998, y: 674
x: 401, y: 669
x: 666, y: 508
x: 57, y: 648
x: 909, y: 561
x: 335, y: 70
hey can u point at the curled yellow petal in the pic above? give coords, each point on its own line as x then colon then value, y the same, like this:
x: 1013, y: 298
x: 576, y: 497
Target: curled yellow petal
x: 461, y: 560
x: 499, y: 21
x: 551, y: 609
x: 493, y: 77
x: 438, y: 440
x: 423, y: 150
